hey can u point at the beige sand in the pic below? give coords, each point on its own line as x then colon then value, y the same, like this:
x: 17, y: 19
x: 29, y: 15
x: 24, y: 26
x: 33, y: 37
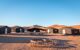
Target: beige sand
x: 7, y: 44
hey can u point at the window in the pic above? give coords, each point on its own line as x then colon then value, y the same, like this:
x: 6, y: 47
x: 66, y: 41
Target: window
x: 55, y: 31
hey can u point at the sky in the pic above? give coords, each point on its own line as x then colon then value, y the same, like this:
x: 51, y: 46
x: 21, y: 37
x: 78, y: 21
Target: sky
x: 39, y: 12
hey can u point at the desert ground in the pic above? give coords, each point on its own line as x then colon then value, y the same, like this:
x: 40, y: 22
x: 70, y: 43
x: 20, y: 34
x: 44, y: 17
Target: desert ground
x: 21, y: 42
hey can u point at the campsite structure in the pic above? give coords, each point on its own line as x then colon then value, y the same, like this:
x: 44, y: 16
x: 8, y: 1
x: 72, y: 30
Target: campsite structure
x: 50, y: 30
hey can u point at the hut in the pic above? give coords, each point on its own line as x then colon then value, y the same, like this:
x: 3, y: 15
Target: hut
x: 36, y: 28
x: 71, y: 30
x: 75, y: 30
x: 66, y: 30
x: 19, y: 29
x: 1, y: 30
x: 55, y: 29
x: 5, y: 30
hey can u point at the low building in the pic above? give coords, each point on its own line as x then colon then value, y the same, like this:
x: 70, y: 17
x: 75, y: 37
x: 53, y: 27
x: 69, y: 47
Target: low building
x: 36, y: 28
x: 50, y: 30
x: 55, y: 29
x: 76, y: 30
x: 5, y: 30
x: 64, y: 30
x: 17, y: 29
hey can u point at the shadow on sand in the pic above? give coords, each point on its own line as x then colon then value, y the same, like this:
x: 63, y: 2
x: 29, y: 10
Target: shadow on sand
x: 6, y: 39
x: 61, y: 44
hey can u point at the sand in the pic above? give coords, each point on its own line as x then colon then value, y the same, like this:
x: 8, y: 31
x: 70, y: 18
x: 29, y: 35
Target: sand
x: 21, y: 42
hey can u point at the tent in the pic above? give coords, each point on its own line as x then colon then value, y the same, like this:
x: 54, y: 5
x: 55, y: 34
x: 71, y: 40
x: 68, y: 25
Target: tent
x: 5, y: 30
x: 19, y: 29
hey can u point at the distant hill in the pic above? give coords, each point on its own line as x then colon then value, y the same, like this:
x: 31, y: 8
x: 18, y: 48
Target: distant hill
x: 56, y: 26
x: 76, y: 26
